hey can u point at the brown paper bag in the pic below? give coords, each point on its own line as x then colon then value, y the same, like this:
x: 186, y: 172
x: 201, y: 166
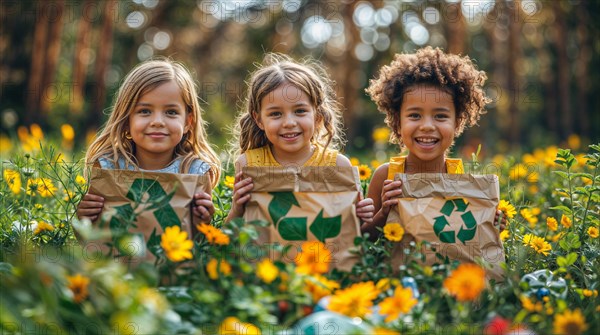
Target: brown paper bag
x: 306, y: 204
x: 122, y: 189
x: 455, y: 213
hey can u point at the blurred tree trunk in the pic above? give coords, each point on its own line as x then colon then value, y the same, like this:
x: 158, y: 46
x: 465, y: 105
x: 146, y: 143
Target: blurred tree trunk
x: 582, y: 68
x: 80, y: 61
x: 103, y: 62
x: 497, y: 71
x: 455, y: 28
x: 562, y: 70
x: 345, y: 71
x: 514, y: 79
x: 44, y: 59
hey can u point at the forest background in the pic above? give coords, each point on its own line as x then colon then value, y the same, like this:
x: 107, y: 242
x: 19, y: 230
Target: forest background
x: 61, y: 61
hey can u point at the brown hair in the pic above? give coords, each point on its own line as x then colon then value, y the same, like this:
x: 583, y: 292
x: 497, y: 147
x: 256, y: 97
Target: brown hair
x: 428, y: 66
x: 308, y: 76
x: 113, y: 143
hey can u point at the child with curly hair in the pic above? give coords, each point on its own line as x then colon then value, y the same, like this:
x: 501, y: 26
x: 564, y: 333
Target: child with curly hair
x: 429, y: 98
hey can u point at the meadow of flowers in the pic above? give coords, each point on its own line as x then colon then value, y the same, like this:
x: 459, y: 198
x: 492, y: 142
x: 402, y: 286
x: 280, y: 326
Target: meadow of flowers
x: 223, y: 283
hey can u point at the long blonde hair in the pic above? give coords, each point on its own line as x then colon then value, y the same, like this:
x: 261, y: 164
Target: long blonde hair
x: 308, y: 76
x: 113, y: 142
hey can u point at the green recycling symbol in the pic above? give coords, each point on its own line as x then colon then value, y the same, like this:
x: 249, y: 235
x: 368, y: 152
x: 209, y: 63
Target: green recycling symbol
x: 295, y: 228
x: 467, y: 230
x: 163, y: 212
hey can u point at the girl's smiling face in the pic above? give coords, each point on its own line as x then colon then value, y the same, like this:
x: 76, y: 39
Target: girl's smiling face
x: 427, y: 127
x: 157, y: 124
x: 288, y: 119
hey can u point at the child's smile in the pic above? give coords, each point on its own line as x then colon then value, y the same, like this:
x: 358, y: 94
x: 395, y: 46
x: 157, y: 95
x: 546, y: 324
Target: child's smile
x: 427, y: 126
x: 288, y: 119
x: 157, y: 124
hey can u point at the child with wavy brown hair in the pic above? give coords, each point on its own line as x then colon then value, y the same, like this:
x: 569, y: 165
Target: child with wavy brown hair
x: 155, y: 125
x: 429, y: 98
x: 290, y: 118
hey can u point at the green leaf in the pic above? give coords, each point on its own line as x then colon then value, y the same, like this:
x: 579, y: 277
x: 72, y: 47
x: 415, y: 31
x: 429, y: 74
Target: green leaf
x: 324, y: 228
x: 293, y: 229
x: 566, y: 210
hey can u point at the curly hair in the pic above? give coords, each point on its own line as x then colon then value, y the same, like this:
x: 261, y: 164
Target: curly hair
x: 428, y: 66
x: 276, y: 70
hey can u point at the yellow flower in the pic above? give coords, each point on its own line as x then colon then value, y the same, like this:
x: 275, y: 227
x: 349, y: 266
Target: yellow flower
x: 319, y: 286
x: 5, y: 144
x: 381, y: 134
x: 393, y: 232
x: 354, y: 301
x: 78, y: 285
x: 581, y: 159
x: 504, y: 235
x: 574, y: 141
x: 558, y: 236
x: 518, y: 172
x: 229, y: 181
x: 213, y: 234
x: 42, y: 227
x: 387, y: 283
x: 401, y: 302
x: 527, y: 238
x: 67, y: 132
x: 550, y: 156
x: 213, y: 265
x: 593, y: 232
x: 176, y: 244
x: 45, y: 187
x: 529, y: 305
x: 354, y: 161
x: 570, y: 322
x: 552, y: 223
x: 508, y: 209
x: 267, y: 271
x: 533, y: 177
x: 466, y: 282
x: 587, y: 293
x: 529, y: 216
x: 364, y: 172
x: 233, y: 326
x: 540, y: 245
x: 80, y: 180
x: 69, y: 195
x: 13, y: 180
x: 565, y: 221
x: 36, y: 132
x: 314, y: 258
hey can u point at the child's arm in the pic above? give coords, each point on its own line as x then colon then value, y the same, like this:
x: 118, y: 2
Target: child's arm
x: 384, y: 193
x: 241, y: 191
x: 364, y: 207
x: 90, y: 207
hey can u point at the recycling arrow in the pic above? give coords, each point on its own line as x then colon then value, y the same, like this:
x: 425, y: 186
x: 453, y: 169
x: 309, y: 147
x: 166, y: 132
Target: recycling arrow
x: 295, y: 228
x: 467, y: 230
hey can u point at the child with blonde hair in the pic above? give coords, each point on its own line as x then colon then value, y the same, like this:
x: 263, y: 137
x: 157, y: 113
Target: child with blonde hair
x: 290, y: 118
x: 155, y: 125
x: 429, y: 98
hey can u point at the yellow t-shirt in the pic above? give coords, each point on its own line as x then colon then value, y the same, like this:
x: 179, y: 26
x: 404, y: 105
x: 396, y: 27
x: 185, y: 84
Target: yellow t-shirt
x: 453, y: 165
x: 264, y: 157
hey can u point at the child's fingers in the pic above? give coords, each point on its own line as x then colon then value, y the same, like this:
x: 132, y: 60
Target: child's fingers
x: 238, y: 177
x: 92, y: 197
x: 91, y: 205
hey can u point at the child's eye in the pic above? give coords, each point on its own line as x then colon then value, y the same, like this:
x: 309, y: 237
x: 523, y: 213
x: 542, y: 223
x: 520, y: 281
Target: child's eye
x: 301, y: 111
x: 274, y: 114
x: 414, y: 116
x: 172, y: 112
x: 144, y: 111
x: 442, y: 116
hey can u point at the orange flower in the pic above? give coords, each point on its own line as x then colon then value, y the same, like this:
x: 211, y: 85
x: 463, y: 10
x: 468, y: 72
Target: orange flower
x: 466, y: 282
x: 176, y: 244
x: 314, y: 258
x: 401, y: 302
x: 565, y: 221
x: 354, y: 301
x: 78, y: 285
x: 213, y: 234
